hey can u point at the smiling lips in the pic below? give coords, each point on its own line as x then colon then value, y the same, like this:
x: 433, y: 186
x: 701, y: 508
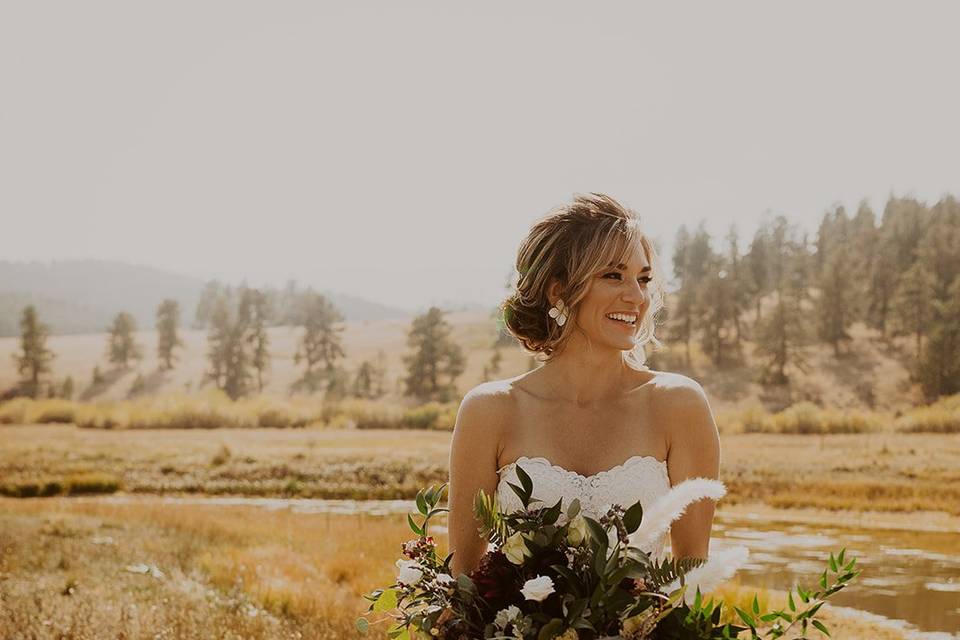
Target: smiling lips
x: 625, y: 319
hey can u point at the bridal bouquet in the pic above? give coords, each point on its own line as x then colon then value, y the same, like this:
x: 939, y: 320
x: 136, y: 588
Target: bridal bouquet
x: 569, y: 576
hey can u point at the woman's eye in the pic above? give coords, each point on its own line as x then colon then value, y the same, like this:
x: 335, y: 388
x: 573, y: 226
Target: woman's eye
x: 644, y: 279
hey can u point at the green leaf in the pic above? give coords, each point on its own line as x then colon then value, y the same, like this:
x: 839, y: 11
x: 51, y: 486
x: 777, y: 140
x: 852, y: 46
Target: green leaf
x: 413, y: 525
x: 551, y: 629
x: 746, y: 617
x: 833, y: 564
x: 633, y: 517
x: 756, y: 605
x: 793, y: 605
x: 823, y: 579
x: 422, y: 503
x: 387, y: 601
x: 525, y: 481
x: 363, y: 625
x: 520, y: 492
x: 819, y: 625
x: 573, y: 509
x: 840, y: 557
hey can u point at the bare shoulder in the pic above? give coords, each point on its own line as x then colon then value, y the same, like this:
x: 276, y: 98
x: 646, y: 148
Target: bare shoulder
x: 681, y: 403
x: 483, y: 413
x: 676, y: 391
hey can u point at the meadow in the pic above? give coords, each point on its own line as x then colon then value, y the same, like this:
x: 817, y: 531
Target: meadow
x: 828, y: 449
x: 80, y: 570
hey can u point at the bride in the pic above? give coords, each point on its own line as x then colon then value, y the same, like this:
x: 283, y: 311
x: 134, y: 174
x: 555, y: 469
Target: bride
x: 593, y: 422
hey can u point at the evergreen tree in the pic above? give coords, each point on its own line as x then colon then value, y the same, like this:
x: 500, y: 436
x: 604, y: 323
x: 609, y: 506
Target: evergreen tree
x: 436, y: 361
x: 758, y: 268
x: 321, y: 343
x: 939, y: 368
x: 122, y: 346
x: 782, y: 336
x: 168, y: 321
x: 837, y: 305
x: 913, y: 302
x: 218, y: 342
x: 238, y: 377
x: 33, y: 361
x: 67, y: 390
x: 363, y: 381
x: 259, y: 341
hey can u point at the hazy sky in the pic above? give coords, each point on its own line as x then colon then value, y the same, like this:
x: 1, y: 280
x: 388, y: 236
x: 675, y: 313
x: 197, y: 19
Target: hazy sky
x: 399, y: 151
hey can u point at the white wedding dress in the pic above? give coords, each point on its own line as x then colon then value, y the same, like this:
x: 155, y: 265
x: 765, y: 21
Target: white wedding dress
x: 642, y: 478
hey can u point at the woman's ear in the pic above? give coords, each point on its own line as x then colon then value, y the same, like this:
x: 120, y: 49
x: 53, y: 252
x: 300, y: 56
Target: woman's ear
x: 553, y: 292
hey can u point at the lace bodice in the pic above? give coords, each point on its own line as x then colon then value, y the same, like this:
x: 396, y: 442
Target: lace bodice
x: 642, y: 478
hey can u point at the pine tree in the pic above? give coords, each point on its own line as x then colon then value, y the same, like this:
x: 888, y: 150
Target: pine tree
x: 168, y: 321
x: 939, y: 367
x: 436, y: 361
x: 218, y: 342
x: 33, y: 361
x: 258, y: 339
x: 913, y: 302
x: 782, y: 336
x: 121, y: 345
x: 321, y: 343
x: 836, y: 310
x: 363, y: 381
x: 237, y: 374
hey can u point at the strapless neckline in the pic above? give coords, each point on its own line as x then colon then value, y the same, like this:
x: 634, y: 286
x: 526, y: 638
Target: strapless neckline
x: 662, y: 464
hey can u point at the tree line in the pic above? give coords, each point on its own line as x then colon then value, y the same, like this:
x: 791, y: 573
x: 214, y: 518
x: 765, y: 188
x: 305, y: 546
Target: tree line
x: 239, y: 352
x: 786, y: 291
x: 783, y: 291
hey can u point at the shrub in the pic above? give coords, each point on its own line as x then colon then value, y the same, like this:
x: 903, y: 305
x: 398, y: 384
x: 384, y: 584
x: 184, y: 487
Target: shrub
x: 93, y: 482
x: 943, y: 416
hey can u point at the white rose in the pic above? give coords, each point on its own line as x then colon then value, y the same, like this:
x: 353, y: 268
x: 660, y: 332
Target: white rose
x: 577, y: 531
x: 410, y: 571
x: 537, y: 588
x: 515, y: 548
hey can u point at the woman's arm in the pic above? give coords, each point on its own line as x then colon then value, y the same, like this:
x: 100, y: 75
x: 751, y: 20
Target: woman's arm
x: 693, y: 452
x: 473, y: 466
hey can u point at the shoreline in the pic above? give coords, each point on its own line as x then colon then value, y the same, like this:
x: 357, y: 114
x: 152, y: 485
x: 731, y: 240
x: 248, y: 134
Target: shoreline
x: 929, y: 521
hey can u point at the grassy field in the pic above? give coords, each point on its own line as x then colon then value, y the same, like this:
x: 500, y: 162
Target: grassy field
x: 892, y: 472
x: 73, y: 570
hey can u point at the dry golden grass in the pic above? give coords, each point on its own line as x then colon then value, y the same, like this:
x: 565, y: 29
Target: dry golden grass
x: 887, y: 472
x: 225, y: 572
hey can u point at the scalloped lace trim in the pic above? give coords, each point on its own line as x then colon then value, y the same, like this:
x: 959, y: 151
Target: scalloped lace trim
x: 642, y: 478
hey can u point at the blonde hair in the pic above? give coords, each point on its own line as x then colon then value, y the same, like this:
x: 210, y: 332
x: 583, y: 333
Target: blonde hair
x: 570, y: 245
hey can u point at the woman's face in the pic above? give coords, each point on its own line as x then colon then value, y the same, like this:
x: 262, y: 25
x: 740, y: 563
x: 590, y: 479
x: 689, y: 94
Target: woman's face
x: 616, y: 291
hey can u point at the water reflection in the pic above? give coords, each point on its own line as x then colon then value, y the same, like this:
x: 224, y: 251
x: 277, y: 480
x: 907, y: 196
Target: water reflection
x: 907, y: 575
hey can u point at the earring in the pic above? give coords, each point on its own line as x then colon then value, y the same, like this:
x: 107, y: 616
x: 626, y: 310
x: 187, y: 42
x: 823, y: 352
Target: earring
x: 557, y: 313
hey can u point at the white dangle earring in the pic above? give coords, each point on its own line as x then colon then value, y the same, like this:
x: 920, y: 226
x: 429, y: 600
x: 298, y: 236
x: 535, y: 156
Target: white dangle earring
x: 557, y: 312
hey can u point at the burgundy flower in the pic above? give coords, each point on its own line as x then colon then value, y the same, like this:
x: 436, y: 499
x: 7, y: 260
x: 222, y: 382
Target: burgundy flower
x: 496, y: 580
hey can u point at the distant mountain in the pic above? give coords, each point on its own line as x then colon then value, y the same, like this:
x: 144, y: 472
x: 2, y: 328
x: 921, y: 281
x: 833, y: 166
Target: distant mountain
x: 82, y: 296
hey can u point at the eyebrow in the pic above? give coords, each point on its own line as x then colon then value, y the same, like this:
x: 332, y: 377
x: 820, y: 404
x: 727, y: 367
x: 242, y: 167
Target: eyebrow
x: 622, y: 266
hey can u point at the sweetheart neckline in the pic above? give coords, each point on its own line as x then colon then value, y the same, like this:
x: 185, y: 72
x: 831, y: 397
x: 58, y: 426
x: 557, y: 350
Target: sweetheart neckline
x: 662, y: 465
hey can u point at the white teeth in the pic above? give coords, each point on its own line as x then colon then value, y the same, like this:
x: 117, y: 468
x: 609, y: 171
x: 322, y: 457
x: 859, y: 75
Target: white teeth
x: 622, y: 317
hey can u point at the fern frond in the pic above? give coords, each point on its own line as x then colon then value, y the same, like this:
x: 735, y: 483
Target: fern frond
x: 487, y: 511
x: 671, y: 569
